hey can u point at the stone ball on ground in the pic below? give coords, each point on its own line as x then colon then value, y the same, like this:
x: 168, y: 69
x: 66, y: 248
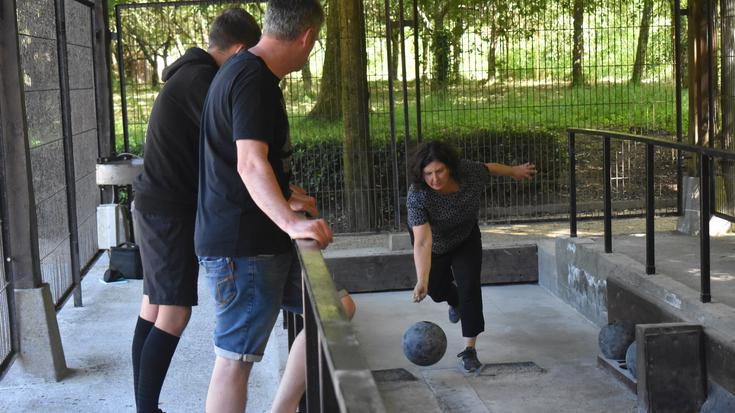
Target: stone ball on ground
x: 424, y: 343
x: 631, y: 360
x: 615, y: 338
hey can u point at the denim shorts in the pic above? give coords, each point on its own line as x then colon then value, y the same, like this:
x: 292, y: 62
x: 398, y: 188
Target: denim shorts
x: 248, y: 293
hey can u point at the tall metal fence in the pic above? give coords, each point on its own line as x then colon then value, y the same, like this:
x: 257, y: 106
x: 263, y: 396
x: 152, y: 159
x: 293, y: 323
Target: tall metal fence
x: 7, y: 326
x: 56, y: 41
x: 723, y: 57
x: 500, y: 81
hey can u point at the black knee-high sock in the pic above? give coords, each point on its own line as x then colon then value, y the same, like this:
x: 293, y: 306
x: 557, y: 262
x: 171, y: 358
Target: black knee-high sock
x: 154, y: 361
x: 142, y: 328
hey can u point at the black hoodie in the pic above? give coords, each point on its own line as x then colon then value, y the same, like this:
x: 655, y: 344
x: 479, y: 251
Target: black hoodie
x: 168, y: 184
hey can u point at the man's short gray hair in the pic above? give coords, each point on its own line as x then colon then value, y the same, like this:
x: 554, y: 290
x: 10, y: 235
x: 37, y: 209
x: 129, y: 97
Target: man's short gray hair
x: 287, y: 19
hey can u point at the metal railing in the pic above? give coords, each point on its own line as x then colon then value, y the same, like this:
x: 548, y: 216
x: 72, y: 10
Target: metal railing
x: 337, y: 376
x: 706, y: 194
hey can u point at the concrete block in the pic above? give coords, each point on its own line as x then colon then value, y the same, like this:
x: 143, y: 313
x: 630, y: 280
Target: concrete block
x: 582, y: 278
x: 399, y: 242
x: 41, y: 351
x: 547, y: 270
x: 111, y: 226
x: 719, y: 400
x: 671, y: 369
x: 625, y: 304
x: 390, y: 271
x: 689, y: 222
x: 720, y: 356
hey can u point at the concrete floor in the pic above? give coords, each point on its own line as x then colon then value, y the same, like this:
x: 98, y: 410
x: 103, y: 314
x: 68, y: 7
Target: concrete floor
x: 523, y: 323
x: 97, y: 340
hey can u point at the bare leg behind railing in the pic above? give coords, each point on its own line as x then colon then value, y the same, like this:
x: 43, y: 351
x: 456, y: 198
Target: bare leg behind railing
x: 293, y: 383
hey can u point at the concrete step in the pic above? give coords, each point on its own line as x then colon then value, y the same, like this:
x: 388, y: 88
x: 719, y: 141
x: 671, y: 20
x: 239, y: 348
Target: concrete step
x: 607, y: 287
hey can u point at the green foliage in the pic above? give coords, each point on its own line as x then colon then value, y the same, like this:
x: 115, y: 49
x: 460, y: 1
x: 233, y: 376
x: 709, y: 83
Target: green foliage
x: 440, y: 50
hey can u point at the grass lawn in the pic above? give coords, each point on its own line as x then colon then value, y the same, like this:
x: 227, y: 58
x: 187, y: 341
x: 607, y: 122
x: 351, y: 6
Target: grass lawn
x: 468, y: 106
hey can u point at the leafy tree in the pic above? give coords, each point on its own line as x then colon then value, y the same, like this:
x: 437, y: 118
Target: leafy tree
x: 329, y: 102
x: 356, y: 155
x: 640, y: 55
x: 577, y: 42
x: 498, y: 19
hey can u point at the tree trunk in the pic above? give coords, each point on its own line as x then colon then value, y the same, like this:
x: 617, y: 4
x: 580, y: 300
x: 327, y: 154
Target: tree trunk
x: 640, y: 54
x: 356, y: 154
x: 440, y: 51
x: 425, y: 41
x: 728, y: 100
x: 577, y: 42
x: 155, y: 82
x: 306, y: 78
x: 492, y: 59
x: 698, y: 73
x: 395, y: 39
x: 456, y: 42
x: 328, y: 104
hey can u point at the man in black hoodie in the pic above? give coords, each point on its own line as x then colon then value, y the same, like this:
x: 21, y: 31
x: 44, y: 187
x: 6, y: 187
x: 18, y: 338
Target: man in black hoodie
x: 166, y: 201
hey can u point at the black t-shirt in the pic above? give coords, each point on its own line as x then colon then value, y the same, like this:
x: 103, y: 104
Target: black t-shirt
x: 244, y: 102
x: 168, y: 183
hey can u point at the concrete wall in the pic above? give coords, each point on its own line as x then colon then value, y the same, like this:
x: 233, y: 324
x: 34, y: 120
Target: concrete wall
x: 575, y: 276
x: 611, y: 287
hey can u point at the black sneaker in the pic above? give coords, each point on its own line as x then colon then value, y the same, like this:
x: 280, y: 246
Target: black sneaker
x: 468, y: 361
x: 453, y: 315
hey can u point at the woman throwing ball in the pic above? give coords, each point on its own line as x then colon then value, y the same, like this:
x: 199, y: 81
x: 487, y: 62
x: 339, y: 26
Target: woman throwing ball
x: 443, y: 206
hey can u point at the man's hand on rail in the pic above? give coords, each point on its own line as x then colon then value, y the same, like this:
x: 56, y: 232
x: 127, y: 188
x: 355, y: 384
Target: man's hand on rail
x: 301, y: 202
x: 316, y: 229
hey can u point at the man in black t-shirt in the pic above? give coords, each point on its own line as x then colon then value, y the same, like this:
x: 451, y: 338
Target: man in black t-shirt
x: 165, y: 204
x: 244, y: 222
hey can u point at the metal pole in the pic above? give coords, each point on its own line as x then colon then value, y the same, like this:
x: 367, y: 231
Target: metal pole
x: 650, y: 209
x: 103, y: 80
x: 679, y: 130
x: 711, y: 133
x: 68, y: 142
x: 711, y: 125
x: 20, y: 225
x: 392, y: 112
x: 327, y: 396
x: 704, y: 216
x: 419, y: 134
x: 312, y: 354
x: 406, y: 125
x: 608, y: 194
x: 123, y: 95
x: 572, y: 187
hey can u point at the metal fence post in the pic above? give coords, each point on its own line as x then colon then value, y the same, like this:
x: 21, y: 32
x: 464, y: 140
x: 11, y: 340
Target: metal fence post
x: 650, y: 210
x: 607, y: 199
x: 572, y: 187
x: 327, y: 396
x: 313, y: 389
x: 679, y: 131
x: 123, y: 92
x: 68, y: 145
x: 704, y: 216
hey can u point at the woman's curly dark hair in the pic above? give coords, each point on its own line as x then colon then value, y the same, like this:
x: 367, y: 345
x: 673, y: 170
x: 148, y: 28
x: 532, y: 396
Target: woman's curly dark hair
x: 430, y: 152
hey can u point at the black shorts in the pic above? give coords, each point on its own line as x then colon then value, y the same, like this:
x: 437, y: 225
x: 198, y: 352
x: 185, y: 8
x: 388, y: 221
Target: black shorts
x: 170, y: 266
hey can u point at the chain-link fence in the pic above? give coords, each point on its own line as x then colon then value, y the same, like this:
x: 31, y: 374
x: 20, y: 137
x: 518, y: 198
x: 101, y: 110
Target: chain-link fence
x: 500, y: 80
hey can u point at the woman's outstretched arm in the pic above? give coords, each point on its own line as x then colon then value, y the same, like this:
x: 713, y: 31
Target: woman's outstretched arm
x: 519, y: 172
x: 421, y: 259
